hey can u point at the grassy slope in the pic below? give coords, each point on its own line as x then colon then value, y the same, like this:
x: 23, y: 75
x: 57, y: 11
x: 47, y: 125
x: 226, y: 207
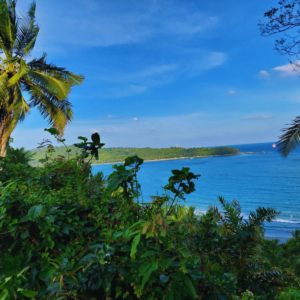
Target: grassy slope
x: 111, y: 155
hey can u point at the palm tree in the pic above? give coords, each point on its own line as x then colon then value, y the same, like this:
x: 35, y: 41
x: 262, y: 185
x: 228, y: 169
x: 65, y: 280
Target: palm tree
x: 47, y: 85
x: 19, y: 155
x: 290, y: 138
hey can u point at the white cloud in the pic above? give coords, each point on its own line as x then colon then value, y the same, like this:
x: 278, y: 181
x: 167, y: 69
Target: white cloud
x: 287, y: 70
x: 257, y: 117
x: 232, y: 92
x: 263, y: 74
x: 135, y: 119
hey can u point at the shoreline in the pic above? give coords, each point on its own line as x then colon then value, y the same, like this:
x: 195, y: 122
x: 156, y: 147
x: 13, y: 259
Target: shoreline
x: 183, y: 157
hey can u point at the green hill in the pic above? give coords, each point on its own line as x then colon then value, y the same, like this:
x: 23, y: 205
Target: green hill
x: 112, y: 155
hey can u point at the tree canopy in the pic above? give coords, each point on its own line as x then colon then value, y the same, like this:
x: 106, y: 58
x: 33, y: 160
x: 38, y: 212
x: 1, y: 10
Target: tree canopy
x: 47, y: 85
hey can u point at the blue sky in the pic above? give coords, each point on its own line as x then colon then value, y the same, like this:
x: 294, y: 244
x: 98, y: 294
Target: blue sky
x: 162, y: 73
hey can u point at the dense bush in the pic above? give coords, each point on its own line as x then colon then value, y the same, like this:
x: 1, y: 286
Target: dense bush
x: 19, y: 155
x: 66, y: 234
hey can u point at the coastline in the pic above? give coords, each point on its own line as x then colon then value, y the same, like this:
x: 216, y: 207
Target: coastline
x: 183, y: 157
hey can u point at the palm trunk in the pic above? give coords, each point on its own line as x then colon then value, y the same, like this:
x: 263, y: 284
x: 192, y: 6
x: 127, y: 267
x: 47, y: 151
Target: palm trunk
x: 3, y: 148
x: 4, y: 138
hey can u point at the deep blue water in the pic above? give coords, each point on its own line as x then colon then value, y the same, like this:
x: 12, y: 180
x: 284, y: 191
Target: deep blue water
x: 252, y: 179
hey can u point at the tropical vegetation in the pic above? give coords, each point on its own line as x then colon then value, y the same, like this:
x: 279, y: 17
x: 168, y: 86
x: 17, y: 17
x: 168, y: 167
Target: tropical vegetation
x: 68, y: 234
x: 47, y: 85
x: 18, y: 155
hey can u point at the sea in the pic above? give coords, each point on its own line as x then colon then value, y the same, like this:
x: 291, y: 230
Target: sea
x: 260, y: 177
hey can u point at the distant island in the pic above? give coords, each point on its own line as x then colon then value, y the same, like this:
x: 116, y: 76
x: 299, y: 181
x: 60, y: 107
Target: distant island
x: 118, y: 155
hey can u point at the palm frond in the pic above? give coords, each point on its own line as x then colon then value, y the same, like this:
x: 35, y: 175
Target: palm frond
x: 11, y: 4
x: 55, y: 116
x: 289, y: 140
x: 58, y: 87
x: 40, y: 64
x: 57, y: 112
x: 22, y: 69
x: 19, y: 104
x: 7, y: 27
x: 27, y: 32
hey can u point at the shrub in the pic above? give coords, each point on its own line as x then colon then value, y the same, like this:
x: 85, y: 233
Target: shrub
x: 66, y: 234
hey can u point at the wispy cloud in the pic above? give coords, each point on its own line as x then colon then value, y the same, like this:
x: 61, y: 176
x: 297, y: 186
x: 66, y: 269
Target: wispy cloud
x: 189, y: 64
x: 232, y: 92
x: 287, y: 70
x: 257, y: 117
x: 124, y: 22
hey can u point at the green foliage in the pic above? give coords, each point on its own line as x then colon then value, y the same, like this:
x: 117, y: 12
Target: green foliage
x: 66, y: 234
x: 92, y: 147
x: 290, y: 295
x: 19, y: 155
x: 114, y: 155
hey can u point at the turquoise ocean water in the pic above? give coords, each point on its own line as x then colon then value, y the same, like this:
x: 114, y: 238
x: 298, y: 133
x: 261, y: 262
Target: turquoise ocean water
x: 252, y: 179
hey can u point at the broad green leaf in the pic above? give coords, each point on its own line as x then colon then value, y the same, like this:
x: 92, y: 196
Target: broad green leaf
x: 216, y: 268
x: 96, y: 138
x: 29, y: 294
x: 24, y: 219
x: 154, y: 266
x: 166, y: 263
x: 34, y: 212
x: 126, y: 248
x: 24, y: 235
x: 4, y: 295
x: 146, y: 277
x: 52, y: 131
x: 114, y: 183
x: 144, y: 269
x: 176, y: 276
x: 82, y: 138
x: 148, y: 253
x: 185, y: 252
x: 46, y: 273
x: 134, y: 245
x: 51, y: 244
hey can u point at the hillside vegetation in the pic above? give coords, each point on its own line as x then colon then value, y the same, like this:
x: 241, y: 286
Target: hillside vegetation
x: 112, y: 155
x: 68, y: 234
